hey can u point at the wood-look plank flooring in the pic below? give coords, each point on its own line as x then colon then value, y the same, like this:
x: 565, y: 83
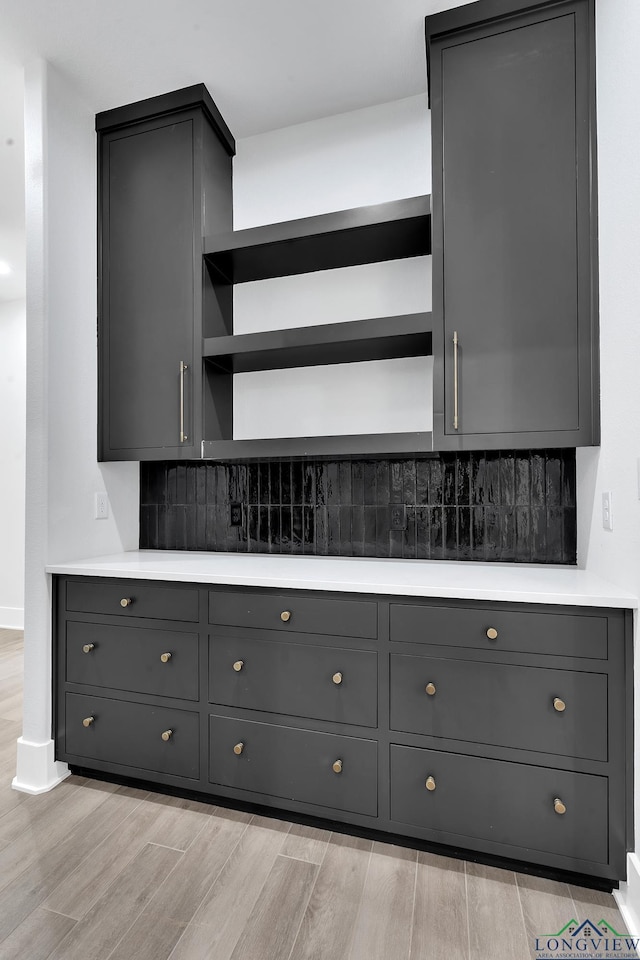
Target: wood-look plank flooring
x: 92, y: 871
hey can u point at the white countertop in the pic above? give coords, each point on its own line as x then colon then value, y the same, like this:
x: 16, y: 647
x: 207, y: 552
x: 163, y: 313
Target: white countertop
x: 415, y: 578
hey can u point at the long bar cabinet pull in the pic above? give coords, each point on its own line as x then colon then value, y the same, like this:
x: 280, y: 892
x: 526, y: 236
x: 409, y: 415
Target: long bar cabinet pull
x: 455, y: 379
x: 183, y: 368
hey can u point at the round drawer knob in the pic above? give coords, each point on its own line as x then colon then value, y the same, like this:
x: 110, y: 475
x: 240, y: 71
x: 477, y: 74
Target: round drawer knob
x: 239, y: 747
x: 165, y: 657
x: 337, y: 678
x: 126, y: 601
x: 559, y: 705
x: 492, y: 633
x: 166, y: 735
x: 88, y: 647
x: 337, y: 766
x: 559, y: 806
x: 430, y: 689
x: 238, y: 665
x: 87, y: 721
x: 430, y: 783
x: 285, y: 615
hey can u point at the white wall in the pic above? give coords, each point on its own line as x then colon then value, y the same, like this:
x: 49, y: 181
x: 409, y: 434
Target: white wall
x: 615, y: 554
x: 62, y: 472
x: 13, y: 331
x: 74, y: 473
x: 369, y: 156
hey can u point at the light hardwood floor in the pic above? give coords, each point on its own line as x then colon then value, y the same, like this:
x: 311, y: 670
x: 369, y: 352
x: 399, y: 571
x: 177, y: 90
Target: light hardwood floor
x: 92, y: 871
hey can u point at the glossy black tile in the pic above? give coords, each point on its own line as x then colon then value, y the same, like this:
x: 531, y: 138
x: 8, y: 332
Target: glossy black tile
x: 464, y: 543
x: 274, y: 482
x: 507, y: 480
x: 333, y: 530
x: 357, y: 482
x: 296, y: 529
x: 370, y: 545
x: 478, y: 534
x: 510, y: 506
x: 371, y: 480
x: 344, y: 483
x: 321, y: 532
x: 346, y: 536
x: 422, y: 481
x: 463, y: 480
x: 309, y: 493
x: 523, y: 480
x: 333, y: 487
x: 422, y: 533
x: 285, y: 483
x: 357, y: 530
x: 309, y: 530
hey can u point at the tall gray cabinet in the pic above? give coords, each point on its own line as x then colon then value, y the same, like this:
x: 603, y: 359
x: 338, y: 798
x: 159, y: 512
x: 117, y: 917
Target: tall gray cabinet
x: 512, y: 91
x: 164, y: 183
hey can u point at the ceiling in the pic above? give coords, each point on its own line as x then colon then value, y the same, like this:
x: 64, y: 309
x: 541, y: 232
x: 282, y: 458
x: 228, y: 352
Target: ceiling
x: 267, y: 63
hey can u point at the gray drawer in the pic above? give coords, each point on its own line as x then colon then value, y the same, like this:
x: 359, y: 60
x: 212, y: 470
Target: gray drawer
x: 152, y: 601
x: 131, y: 734
x: 130, y: 658
x: 295, y: 679
x: 337, y: 618
x: 501, y: 704
x: 508, y: 803
x: 567, y: 635
x: 294, y: 764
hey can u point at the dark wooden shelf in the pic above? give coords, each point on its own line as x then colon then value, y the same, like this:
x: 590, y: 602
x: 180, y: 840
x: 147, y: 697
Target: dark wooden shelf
x: 385, y: 231
x: 382, y: 338
x: 346, y: 447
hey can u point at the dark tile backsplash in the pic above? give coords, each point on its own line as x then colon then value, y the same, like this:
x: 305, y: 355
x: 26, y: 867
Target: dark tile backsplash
x: 499, y: 505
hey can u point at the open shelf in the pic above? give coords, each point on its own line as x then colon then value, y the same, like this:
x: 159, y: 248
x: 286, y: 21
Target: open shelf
x: 349, y: 446
x: 384, y: 231
x: 383, y: 338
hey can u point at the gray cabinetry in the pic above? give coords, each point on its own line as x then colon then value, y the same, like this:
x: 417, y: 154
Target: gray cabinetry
x: 500, y: 728
x: 164, y: 167
x: 548, y: 811
x: 324, y: 769
x: 512, y: 89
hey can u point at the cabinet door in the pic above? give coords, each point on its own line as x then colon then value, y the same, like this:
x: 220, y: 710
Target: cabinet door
x: 147, y: 317
x: 514, y: 230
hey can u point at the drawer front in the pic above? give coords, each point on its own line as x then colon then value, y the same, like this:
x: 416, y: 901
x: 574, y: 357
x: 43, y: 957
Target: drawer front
x: 567, y: 635
x: 294, y: 764
x: 501, y: 704
x: 301, y: 680
x: 337, y: 618
x: 152, y: 601
x: 158, y: 662
x: 510, y: 803
x: 131, y: 734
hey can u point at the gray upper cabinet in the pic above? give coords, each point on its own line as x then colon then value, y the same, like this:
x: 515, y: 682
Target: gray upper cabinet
x: 164, y: 181
x: 514, y: 225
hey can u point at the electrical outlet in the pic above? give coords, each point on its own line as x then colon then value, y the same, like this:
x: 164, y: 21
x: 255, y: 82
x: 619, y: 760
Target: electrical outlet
x: 101, y: 506
x: 235, y: 515
x: 607, y: 511
x: 398, y: 516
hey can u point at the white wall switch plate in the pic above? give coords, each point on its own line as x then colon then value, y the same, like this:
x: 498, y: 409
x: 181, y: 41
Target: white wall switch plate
x: 102, y: 506
x: 607, y: 512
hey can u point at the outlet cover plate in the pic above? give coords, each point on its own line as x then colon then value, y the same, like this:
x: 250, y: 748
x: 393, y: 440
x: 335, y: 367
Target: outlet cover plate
x: 398, y: 519
x: 235, y: 514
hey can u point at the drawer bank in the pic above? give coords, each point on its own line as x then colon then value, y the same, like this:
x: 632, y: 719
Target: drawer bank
x: 498, y: 728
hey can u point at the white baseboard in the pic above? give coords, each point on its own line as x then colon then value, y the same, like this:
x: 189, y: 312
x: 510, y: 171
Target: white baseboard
x: 11, y: 618
x: 37, y: 770
x: 628, y: 896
